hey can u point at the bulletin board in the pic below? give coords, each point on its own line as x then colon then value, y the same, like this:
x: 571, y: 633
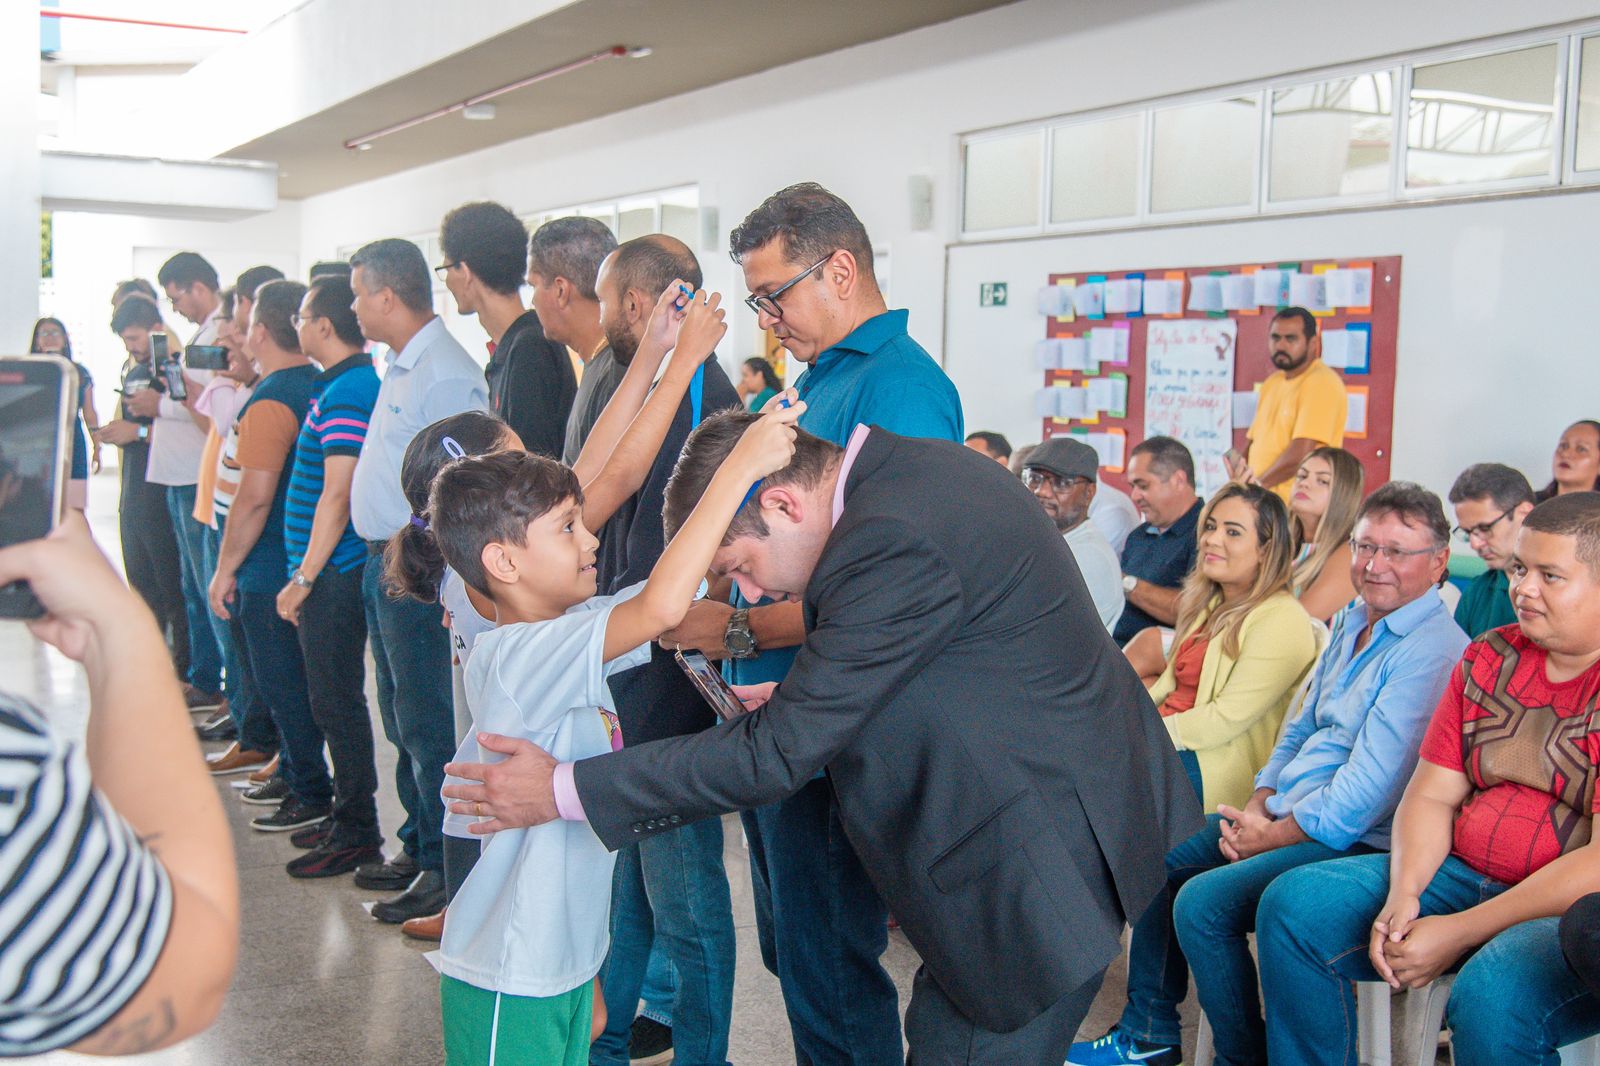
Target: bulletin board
x: 1370, y: 384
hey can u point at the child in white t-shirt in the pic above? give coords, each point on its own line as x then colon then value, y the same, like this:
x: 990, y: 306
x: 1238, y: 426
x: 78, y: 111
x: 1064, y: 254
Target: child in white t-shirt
x: 528, y: 930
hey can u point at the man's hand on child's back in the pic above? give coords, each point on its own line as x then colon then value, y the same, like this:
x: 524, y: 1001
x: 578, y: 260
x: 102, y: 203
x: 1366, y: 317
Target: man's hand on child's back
x: 515, y: 793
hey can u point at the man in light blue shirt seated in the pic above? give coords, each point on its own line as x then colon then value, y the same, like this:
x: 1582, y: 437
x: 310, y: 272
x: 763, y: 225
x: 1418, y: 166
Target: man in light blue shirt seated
x: 1330, y: 788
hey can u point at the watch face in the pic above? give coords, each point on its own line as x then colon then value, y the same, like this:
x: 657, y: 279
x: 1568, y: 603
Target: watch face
x: 741, y: 642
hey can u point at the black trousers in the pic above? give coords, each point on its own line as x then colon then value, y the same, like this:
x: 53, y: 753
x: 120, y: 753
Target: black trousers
x: 1580, y: 940
x: 333, y: 642
x: 940, y: 1035
x: 150, y: 555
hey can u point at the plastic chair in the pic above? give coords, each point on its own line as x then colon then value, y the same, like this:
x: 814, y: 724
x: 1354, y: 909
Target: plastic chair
x: 1372, y: 1028
x: 1437, y: 996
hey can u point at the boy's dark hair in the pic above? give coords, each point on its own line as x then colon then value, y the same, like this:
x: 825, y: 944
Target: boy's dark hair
x: 573, y: 248
x: 329, y: 268
x: 397, y: 265
x: 1167, y: 454
x: 1308, y: 322
x: 997, y: 444
x: 1573, y: 514
x: 276, y: 304
x: 331, y: 298
x: 136, y: 310
x: 490, y: 240
x: 811, y: 222
x: 1413, y: 505
x: 475, y: 502
x: 1506, y: 488
x: 648, y: 265
x: 141, y: 286
x: 706, y: 449
x: 186, y: 269
x: 253, y: 278
x: 411, y: 562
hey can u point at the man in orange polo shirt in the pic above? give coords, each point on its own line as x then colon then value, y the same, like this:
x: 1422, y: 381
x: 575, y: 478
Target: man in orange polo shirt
x: 1301, y: 407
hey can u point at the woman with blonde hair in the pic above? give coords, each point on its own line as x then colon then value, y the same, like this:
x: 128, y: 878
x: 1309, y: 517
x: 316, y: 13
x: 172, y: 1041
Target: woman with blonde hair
x: 1244, y: 643
x: 1328, y: 489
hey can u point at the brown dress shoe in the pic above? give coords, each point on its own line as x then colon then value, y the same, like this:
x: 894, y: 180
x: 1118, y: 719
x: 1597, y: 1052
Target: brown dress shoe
x: 429, y: 927
x: 263, y: 775
x: 235, y: 760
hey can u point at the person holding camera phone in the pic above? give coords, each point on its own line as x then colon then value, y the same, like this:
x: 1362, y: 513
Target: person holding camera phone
x: 129, y: 896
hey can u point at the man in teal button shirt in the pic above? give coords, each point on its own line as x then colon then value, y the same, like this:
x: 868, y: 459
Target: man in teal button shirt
x: 1490, y: 502
x: 808, y: 265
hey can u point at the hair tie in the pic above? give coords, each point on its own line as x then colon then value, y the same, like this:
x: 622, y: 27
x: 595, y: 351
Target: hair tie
x: 418, y: 521
x: 452, y: 449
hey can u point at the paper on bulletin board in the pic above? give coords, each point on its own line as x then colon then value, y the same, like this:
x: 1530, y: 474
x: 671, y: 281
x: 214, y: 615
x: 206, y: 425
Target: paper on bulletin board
x: 1346, y: 349
x: 1244, y: 408
x: 1350, y: 286
x: 1205, y: 293
x: 1309, y: 291
x: 1110, y: 446
x: 1089, y: 299
x: 1323, y: 270
x: 1163, y: 296
x: 1355, y: 419
x: 1055, y: 301
x: 1272, y: 287
x: 1238, y: 292
x: 1109, y: 395
x: 1189, y: 390
x: 1123, y: 296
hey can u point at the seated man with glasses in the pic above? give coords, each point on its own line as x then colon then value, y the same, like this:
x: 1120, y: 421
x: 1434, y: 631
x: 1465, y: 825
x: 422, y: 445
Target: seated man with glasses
x: 1490, y: 500
x: 1328, y: 790
x: 1061, y: 475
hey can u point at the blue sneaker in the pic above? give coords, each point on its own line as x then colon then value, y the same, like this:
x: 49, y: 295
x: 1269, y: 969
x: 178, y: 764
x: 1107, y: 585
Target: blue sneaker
x: 1118, y: 1048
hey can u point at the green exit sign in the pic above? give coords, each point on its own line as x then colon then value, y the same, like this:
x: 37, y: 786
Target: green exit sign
x: 992, y: 294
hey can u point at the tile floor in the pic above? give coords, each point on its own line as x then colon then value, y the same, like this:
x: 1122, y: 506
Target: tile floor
x: 320, y: 982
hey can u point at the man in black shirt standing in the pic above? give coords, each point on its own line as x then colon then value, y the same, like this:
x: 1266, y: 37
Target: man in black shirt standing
x: 531, y: 381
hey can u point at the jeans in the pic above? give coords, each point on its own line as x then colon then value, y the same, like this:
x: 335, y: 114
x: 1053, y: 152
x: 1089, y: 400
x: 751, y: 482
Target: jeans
x: 660, y: 987
x: 822, y: 928
x: 1200, y: 921
x: 1514, y: 1001
x: 205, y: 657
x: 333, y: 644
x: 672, y: 889
x: 275, y: 659
x: 411, y: 660
x: 249, y: 714
x: 150, y: 558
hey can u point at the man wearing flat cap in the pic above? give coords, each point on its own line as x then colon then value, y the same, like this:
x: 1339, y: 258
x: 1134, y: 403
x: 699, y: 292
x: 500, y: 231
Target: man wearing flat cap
x: 1061, y: 475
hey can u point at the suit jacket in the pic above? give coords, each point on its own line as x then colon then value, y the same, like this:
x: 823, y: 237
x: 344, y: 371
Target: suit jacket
x: 999, y: 768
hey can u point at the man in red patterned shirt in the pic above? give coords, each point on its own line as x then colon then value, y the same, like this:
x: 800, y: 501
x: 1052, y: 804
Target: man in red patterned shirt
x: 1492, y: 842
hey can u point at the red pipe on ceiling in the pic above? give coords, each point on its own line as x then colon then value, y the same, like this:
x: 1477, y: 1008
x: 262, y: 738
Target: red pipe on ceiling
x: 52, y: 13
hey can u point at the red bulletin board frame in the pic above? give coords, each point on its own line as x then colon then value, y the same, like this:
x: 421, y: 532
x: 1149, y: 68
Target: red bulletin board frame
x: 1252, y: 359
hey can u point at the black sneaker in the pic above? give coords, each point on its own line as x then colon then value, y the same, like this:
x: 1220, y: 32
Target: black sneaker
x: 270, y: 794
x: 291, y: 814
x: 649, y: 1042
x: 314, y: 836
x: 389, y: 876
x: 219, y: 726
x: 330, y: 860
x: 196, y: 700
x: 424, y: 896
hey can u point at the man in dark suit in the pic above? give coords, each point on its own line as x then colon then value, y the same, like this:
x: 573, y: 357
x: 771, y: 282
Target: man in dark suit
x: 998, y: 766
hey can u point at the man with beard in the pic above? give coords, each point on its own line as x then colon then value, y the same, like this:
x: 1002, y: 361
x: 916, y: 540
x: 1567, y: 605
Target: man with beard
x: 1061, y: 475
x: 1301, y: 407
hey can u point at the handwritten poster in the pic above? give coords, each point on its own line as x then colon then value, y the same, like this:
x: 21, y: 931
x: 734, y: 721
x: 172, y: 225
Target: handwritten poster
x: 1189, y: 390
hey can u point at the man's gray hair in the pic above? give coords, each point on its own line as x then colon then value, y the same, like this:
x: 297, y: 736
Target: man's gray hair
x: 1506, y: 488
x: 398, y: 265
x: 573, y: 248
x: 1413, y: 505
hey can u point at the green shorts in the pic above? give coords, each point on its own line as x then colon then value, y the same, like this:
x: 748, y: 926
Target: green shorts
x: 483, y: 1028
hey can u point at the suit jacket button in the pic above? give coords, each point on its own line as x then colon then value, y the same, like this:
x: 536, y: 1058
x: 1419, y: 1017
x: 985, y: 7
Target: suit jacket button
x: 638, y: 828
x: 675, y: 819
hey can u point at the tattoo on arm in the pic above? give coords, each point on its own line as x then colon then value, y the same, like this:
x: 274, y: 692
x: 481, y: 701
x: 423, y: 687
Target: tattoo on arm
x: 135, y: 1035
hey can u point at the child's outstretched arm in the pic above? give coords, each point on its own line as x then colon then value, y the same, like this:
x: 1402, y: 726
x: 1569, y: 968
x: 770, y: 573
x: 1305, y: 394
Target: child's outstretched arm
x: 625, y: 468
x: 766, y: 446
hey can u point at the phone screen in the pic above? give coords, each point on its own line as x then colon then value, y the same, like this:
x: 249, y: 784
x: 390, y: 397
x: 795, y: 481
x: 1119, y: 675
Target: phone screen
x: 34, y: 413
x: 172, y: 370
x: 708, y: 679
x: 205, y: 357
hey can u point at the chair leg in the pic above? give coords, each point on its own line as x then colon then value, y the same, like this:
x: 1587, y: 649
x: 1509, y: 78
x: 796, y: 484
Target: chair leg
x: 1435, y: 997
x: 1204, y: 1052
x: 1583, y: 1053
x: 1373, y: 1028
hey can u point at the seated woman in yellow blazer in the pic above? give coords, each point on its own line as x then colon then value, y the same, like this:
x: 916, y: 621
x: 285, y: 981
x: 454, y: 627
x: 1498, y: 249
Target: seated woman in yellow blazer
x: 1244, y: 644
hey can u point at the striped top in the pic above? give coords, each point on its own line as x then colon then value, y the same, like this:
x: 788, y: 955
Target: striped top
x: 335, y: 425
x: 84, y: 905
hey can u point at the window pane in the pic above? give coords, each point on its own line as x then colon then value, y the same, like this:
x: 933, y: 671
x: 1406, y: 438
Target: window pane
x: 1492, y: 118
x: 1002, y: 182
x: 1095, y: 170
x: 1587, y: 157
x: 681, y: 222
x: 635, y: 222
x: 1332, y: 138
x: 1204, y: 155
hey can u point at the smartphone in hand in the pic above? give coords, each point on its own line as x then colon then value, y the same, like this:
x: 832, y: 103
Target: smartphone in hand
x: 705, y: 677
x: 205, y: 357
x: 36, y: 412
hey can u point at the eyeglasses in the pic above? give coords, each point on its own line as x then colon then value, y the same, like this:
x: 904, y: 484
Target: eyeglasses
x: 767, y: 304
x: 1367, y: 550
x: 49, y: 331
x: 297, y: 320
x: 1465, y: 533
x: 1034, y: 478
x: 443, y: 269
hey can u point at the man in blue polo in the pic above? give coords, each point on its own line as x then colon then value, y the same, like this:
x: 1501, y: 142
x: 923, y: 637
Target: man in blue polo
x: 808, y: 264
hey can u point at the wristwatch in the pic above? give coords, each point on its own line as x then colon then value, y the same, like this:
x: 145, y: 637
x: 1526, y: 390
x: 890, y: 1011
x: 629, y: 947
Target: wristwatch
x: 739, y: 641
x: 1129, y: 582
x: 144, y: 432
x: 299, y: 580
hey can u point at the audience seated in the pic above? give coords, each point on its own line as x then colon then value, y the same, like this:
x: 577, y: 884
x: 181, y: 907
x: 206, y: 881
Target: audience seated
x: 994, y: 445
x: 1061, y: 475
x: 1490, y: 501
x: 1160, y: 552
x: 1492, y: 842
x: 1575, y: 467
x: 1322, y: 506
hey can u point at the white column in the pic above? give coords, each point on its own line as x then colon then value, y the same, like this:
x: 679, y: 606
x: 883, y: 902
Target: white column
x: 19, y: 174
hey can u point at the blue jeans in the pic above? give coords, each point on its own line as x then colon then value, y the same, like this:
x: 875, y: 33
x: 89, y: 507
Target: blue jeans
x: 822, y: 928
x: 245, y: 707
x: 660, y: 987
x: 411, y: 663
x: 205, y: 656
x: 672, y: 889
x: 274, y: 649
x: 1514, y: 1001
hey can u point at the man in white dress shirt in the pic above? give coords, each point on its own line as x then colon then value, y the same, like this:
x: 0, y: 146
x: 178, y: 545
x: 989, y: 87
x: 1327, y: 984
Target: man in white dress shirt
x: 1061, y: 474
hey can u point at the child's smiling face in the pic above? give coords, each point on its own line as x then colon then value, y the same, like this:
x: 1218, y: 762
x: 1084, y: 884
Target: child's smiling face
x: 556, y: 561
